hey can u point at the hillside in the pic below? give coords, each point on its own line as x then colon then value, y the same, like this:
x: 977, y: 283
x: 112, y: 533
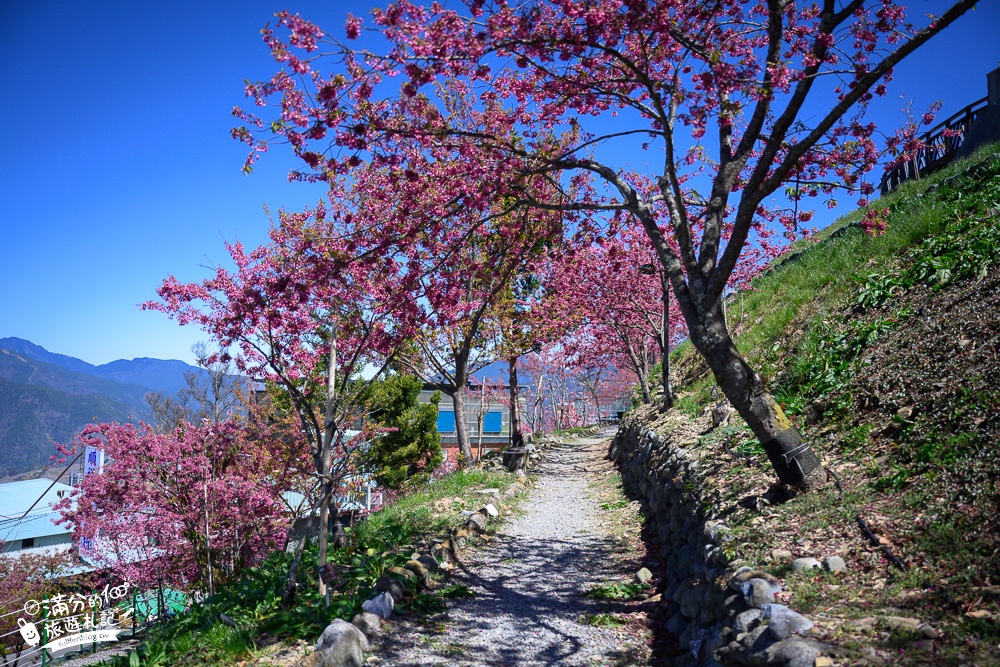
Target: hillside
x: 164, y: 375
x: 42, y: 403
x: 47, y: 397
x: 884, y: 352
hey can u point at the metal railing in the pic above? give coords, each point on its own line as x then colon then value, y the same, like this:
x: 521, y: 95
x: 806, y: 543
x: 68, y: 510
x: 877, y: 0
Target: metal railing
x: 941, y: 144
x: 129, y: 617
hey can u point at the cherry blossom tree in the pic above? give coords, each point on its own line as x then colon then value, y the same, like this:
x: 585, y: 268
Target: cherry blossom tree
x: 523, y: 325
x: 304, y: 313
x: 462, y: 270
x: 549, y: 373
x: 625, y: 315
x: 533, y: 368
x: 741, y: 98
x: 191, y: 509
x: 490, y: 393
x: 23, y: 577
x: 616, y: 309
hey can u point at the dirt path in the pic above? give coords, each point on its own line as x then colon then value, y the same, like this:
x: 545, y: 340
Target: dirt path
x: 529, y: 608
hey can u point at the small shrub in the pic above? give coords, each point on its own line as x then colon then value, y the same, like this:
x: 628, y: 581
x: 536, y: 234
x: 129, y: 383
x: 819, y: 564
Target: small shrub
x: 603, y: 620
x: 616, y: 591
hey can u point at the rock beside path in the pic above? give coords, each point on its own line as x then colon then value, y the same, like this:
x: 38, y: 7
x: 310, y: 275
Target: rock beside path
x: 340, y: 645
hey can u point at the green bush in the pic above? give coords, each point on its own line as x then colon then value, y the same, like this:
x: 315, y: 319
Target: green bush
x: 412, y: 443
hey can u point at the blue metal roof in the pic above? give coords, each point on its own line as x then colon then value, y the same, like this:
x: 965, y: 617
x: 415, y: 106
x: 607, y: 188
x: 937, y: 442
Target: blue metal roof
x: 17, y: 497
x: 33, y: 525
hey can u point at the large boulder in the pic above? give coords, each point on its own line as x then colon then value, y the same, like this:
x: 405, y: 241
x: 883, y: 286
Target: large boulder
x: 417, y: 568
x: 793, y: 652
x: 784, y: 622
x: 442, y: 551
x: 476, y: 522
x: 806, y: 564
x: 408, y: 579
x: 391, y: 585
x: 758, y: 592
x: 341, y: 645
x: 428, y: 561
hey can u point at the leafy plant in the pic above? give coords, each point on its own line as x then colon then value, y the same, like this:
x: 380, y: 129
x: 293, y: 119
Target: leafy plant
x: 967, y: 247
x: 826, y: 366
x: 878, y: 289
x: 603, y: 620
x: 616, y: 505
x: 749, y: 447
x: 616, y: 591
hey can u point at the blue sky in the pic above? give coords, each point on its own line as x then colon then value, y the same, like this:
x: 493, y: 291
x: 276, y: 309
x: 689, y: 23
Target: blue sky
x: 118, y: 168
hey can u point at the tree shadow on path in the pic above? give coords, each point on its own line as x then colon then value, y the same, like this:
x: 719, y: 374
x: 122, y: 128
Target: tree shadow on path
x: 529, y: 582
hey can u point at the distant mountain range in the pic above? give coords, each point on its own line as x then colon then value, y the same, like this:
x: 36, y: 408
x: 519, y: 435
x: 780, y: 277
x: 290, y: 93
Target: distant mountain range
x: 47, y: 397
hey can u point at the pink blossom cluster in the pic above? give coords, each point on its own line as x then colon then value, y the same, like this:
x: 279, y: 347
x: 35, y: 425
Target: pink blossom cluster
x: 475, y: 125
x: 167, y: 503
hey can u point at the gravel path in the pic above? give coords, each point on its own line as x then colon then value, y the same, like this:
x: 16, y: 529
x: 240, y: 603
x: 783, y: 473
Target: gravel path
x: 527, y: 609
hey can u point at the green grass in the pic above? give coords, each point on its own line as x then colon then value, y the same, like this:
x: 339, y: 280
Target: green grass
x: 412, y: 516
x: 622, y: 590
x: 603, y: 620
x: 817, y: 327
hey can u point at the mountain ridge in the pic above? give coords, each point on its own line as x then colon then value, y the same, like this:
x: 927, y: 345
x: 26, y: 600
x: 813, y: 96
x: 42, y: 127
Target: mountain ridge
x: 164, y: 375
x: 47, y: 397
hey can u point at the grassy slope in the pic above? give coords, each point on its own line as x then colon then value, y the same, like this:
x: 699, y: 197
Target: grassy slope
x: 821, y: 279
x: 901, y: 399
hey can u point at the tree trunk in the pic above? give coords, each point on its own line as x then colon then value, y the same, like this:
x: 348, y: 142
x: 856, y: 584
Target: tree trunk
x: 461, y: 427
x: 668, y: 390
x: 329, y: 433
x: 647, y: 397
x: 641, y: 371
x: 537, y: 415
x: 324, y: 528
x: 516, y: 438
x: 288, y: 597
x: 792, y: 458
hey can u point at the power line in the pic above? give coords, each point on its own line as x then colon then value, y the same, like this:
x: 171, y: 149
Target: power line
x: 39, y: 499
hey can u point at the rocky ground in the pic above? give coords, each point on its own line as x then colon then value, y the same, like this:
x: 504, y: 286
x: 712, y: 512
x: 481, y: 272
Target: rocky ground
x: 528, y: 581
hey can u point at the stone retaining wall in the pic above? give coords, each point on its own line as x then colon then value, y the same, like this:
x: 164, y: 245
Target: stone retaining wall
x: 722, y: 612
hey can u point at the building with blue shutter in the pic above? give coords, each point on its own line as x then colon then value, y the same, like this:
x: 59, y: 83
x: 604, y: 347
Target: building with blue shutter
x: 487, y: 421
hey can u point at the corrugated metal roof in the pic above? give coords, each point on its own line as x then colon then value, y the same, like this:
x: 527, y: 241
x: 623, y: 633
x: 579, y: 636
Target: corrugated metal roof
x: 17, y: 497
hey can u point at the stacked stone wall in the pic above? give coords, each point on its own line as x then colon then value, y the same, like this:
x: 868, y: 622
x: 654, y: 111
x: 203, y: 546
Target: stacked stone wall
x: 721, y: 611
